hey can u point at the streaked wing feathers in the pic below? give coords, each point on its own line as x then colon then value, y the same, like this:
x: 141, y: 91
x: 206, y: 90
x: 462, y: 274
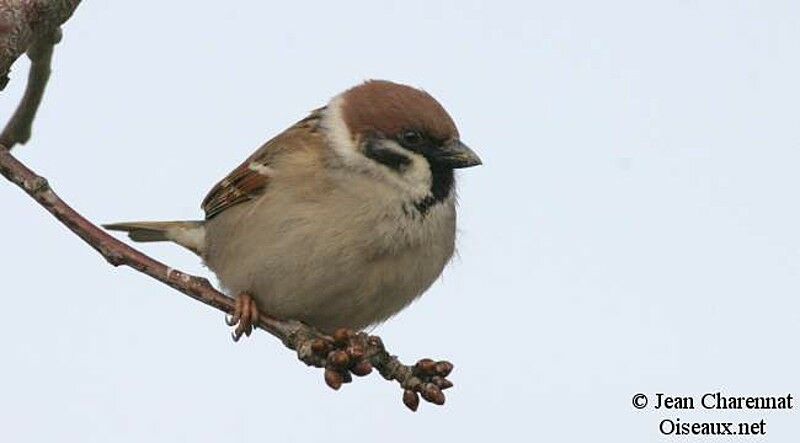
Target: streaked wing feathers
x: 250, y: 178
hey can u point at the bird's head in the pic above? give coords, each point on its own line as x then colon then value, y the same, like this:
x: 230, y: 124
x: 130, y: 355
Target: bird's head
x: 400, y: 134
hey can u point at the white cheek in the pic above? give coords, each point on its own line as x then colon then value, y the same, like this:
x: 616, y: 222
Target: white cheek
x: 418, y: 172
x: 413, y: 182
x: 415, y: 178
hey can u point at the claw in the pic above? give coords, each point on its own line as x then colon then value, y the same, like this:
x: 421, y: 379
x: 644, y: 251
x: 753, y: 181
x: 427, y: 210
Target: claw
x: 244, y: 318
x: 230, y: 320
x: 254, y: 315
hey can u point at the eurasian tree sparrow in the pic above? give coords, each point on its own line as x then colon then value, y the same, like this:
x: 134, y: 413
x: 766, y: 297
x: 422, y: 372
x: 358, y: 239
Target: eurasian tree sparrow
x: 341, y: 220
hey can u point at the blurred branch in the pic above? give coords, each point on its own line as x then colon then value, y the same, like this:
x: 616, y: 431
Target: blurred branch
x: 22, y: 22
x: 342, y: 355
x: 18, y: 129
x: 30, y: 26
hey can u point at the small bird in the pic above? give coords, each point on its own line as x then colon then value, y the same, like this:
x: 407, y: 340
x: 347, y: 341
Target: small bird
x: 341, y: 220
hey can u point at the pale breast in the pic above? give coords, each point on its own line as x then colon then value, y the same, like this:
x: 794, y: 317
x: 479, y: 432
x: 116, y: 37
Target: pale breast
x: 329, y: 253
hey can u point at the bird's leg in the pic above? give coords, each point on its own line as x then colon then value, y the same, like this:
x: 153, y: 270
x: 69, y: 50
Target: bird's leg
x: 245, y: 316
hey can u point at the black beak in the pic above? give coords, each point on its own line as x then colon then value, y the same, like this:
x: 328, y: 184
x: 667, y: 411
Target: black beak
x: 455, y: 155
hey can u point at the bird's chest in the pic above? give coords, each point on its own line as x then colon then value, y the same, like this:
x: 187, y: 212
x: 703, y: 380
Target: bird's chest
x: 399, y: 256
x: 394, y: 227
x: 343, y: 260
x: 391, y: 248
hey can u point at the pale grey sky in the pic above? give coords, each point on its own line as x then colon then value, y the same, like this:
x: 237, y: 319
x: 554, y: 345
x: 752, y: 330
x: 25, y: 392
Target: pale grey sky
x: 634, y: 228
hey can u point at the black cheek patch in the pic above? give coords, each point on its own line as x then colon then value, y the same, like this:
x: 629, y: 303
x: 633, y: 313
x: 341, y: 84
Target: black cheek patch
x: 384, y: 156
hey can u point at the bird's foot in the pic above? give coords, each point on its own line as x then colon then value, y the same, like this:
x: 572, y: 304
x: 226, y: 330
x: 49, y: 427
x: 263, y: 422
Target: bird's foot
x: 245, y: 316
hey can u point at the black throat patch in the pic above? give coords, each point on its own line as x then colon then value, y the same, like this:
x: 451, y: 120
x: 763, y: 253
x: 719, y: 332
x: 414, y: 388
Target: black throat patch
x: 442, y: 180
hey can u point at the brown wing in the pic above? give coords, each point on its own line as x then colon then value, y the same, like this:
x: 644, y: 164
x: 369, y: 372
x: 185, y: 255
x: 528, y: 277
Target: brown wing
x: 250, y: 179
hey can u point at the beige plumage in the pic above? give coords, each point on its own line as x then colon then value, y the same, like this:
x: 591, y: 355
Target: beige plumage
x: 341, y: 220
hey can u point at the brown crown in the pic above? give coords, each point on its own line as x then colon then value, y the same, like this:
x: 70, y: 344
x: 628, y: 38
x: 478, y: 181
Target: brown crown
x: 387, y: 108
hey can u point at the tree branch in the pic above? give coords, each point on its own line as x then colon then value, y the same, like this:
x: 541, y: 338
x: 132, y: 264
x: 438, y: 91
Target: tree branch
x: 23, y: 21
x: 18, y: 129
x: 342, y: 354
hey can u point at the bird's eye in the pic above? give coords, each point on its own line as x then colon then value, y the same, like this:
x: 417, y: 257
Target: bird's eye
x: 411, y: 139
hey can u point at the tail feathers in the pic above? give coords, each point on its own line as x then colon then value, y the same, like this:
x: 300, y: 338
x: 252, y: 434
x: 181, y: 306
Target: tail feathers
x: 189, y: 234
